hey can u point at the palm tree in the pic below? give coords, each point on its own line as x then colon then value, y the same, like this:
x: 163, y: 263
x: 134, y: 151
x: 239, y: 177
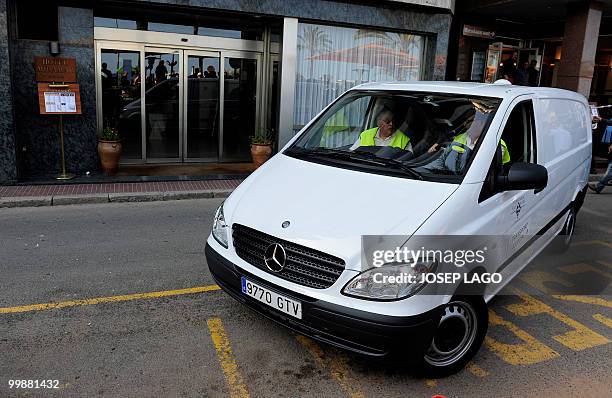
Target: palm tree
x: 400, y: 41
x: 315, y: 41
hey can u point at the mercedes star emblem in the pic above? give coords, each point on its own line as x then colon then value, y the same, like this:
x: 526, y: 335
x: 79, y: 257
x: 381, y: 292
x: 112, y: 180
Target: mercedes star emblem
x: 275, y: 257
x: 285, y: 224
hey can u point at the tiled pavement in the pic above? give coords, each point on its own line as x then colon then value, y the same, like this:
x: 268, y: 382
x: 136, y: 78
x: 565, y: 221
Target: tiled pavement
x: 133, y: 187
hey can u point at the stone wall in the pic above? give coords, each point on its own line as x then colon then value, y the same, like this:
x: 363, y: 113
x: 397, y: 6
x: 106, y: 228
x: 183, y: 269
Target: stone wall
x: 38, y: 135
x: 8, y: 167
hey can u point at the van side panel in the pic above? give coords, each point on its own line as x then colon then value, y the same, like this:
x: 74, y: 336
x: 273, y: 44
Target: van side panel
x: 563, y: 128
x: 563, y: 131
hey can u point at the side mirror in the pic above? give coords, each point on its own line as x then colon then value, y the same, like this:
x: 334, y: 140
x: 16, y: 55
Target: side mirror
x: 523, y: 176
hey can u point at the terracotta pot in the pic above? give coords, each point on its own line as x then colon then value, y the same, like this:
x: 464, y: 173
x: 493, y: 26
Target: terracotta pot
x: 260, y: 154
x: 109, y: 152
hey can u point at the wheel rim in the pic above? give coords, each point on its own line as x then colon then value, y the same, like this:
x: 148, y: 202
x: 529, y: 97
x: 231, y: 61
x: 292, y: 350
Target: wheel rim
x: 455, y: 335
x: 570, y: 223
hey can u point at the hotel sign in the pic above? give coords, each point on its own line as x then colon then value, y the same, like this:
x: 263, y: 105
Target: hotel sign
x: 54, y: 69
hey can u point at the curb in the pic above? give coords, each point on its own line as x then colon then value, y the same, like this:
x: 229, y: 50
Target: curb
x: 60, y: 200
x: 122, y: 197
x: 26, y: 201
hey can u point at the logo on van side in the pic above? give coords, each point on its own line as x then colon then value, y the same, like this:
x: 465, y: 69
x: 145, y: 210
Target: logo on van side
x: 519, y: 207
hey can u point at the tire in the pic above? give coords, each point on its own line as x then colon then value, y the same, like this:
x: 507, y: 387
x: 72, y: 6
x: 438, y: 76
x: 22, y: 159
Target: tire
x: 563, y: 240
x: 461, y: 331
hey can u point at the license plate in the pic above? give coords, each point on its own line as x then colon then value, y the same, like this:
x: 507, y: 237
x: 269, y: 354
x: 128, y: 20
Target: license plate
x: 273, y: 299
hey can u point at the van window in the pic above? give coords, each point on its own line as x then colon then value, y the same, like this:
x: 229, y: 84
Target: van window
x: 519, y: 134
x: 563, y: 126
x: 420, y: 135
x: 519, y: 138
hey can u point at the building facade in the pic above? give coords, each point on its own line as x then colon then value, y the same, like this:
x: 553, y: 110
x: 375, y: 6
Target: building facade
x: 565, y: 43
x: 191, y: 81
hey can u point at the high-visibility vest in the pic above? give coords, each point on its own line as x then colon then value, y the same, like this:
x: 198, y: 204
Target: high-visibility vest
x: 366, y: 138
x: 462, y: 139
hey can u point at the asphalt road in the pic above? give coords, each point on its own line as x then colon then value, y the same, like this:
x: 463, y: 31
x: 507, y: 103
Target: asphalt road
x: 103, y: 341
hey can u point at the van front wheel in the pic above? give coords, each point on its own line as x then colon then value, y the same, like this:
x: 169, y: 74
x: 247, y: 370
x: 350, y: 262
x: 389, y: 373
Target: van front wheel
x: 460, y: 333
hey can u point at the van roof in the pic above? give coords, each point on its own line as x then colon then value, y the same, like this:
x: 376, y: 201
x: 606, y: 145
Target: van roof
x: 480, y: 89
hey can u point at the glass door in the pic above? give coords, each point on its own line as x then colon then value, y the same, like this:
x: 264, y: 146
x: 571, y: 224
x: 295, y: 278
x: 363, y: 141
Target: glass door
x: 239, y: 104
x: 203, y: 106
x: 163, y: 104
x: 182, y: 105
x: 118, y: 96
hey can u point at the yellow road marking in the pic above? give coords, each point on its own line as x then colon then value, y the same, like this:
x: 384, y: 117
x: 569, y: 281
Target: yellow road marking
x: 603, y: 319
x: 337, y: 367
x: 580, y: 338
x: 109, y: 299
x: 584, y: 299
x: 538, y: 280
x: 237, y: 387
x: 431, y: 383
x: 607, y: 264
x: 593, y: 242
x: 527, y: 353
x: 476, y: 370
x: 579, y: 268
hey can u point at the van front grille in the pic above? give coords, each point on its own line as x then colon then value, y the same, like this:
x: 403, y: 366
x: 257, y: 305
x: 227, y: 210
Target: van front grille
x: 303, y: 265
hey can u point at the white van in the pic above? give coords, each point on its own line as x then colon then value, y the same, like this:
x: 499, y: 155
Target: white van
x: 463, y: 159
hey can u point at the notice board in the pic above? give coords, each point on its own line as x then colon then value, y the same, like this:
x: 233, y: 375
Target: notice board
x: 59, y: 99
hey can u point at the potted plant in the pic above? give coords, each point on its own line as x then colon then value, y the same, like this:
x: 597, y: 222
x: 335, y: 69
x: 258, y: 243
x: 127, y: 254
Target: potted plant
x: 109, y: 150
x: 261, y: 146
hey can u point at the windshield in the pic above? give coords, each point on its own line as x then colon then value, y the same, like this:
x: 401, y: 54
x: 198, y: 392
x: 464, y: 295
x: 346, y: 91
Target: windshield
x: 429, y: 136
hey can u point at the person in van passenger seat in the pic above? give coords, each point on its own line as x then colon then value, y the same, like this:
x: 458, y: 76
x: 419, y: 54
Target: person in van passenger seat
x: 469, y: 139
x: 384, y: 134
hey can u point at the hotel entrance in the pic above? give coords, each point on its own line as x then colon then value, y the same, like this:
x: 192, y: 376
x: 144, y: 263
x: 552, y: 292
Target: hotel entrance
x: 181, y: 104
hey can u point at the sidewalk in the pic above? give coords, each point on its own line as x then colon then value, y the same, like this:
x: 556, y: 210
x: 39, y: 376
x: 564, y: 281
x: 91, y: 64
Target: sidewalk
x: 69, y: 194
x: 66, y: 194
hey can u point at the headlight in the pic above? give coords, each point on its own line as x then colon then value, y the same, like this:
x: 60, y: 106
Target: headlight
x: 389, y: 282
x: 220, y: 228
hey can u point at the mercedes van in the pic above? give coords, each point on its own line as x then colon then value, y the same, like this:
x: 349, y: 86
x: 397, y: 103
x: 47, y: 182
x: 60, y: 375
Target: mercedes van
x: 403, y: 161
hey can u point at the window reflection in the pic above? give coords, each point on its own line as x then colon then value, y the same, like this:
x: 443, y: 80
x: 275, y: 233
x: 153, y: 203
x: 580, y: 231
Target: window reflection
x: 171, y: 28
x: 213, y: 27
x: 234, y: 34
x: 162, y: 104
x: 114, y: 23
x: 203, y: 107
x: 120, y: 75
x: 332, y: 59
x: 239, y: 107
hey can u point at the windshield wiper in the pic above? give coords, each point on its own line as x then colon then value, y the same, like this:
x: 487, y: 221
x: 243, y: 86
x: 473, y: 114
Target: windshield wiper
x: 362, y: 157
x: 405, y: 168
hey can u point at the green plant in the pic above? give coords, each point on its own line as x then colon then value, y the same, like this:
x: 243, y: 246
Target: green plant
x: 262, y: 137
x: 110, y: 134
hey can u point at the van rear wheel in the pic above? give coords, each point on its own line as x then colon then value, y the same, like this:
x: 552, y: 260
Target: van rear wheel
x: 460, y: 333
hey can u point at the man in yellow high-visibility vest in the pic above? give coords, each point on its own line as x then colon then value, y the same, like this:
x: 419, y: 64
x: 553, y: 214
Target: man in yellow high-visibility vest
x: 384, y: 134
x: 468, y: 139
